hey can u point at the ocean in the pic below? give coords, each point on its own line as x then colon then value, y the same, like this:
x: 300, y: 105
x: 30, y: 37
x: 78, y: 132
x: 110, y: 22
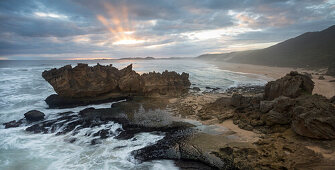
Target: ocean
x: 22, y: 88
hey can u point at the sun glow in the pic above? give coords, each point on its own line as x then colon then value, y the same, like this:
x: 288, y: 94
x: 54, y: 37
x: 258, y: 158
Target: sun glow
x: 50, y: 15
x: 119, y: 25
x: 128, y: 42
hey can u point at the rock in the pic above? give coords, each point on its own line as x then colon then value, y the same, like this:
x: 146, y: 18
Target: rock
x: 283, y: 104
x: 220, y: 109
x: 55, y: 101
x: 242, y: 102
x: 314, y: 117
x: 196, y: 89
x: 34, y: 115
x: 291, y: 85
x: 274, y: 117
x: 308, y: 75
x: 13, y: 123
x: 245, y: 90
x: 265, y: 106
x: 83, y: 84
x: 321, y: 78
x: 176, y: 146
x: 82, y: 80
x: 273, y: 152
x: 166, y: 83
x: 332, y: 100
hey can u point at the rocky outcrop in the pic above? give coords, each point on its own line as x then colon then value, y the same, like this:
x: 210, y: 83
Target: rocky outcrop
x: 314, y: 117
x: 165, y: 83
x: 246, y: 102
x: 34, y: 115
x: 83, y: 81
x: 291, y: 85
x: 277, y: 151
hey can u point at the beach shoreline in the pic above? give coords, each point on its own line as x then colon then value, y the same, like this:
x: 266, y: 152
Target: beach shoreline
x: 323, y: 87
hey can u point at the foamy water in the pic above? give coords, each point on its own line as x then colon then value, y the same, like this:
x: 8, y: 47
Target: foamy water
x: 22, y: 88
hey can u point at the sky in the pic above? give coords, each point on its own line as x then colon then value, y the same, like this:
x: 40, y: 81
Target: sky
x: 82, y: 29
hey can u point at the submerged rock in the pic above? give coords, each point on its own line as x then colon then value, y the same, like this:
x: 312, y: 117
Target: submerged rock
x: 13, y: 123
x: 34, y: 115
x: 83, y: 81
x: 291, y: 85
x: 56, y: 101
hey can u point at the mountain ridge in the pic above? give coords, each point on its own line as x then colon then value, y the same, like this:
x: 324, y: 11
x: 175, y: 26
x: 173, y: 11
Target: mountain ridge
x: 310, y: 49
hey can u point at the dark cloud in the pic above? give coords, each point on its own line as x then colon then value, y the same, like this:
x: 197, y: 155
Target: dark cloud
x: 71, y: 28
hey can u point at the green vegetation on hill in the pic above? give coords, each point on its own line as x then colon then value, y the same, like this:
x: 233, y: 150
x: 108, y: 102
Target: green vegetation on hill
x: 311, y: 49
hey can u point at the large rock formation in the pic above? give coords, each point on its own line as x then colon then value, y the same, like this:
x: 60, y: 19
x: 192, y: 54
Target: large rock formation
x: 83, y: 81
x: 34, y: 115
x: 291, y: 85
x: 314, y: 117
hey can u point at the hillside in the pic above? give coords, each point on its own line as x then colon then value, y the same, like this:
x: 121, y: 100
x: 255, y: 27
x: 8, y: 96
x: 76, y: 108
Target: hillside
x: 311, y: 49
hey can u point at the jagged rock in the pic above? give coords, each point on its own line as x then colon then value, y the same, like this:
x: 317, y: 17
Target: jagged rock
x: 332, y: 100
x: 265, y: 106
x: 82, y: 80
x: 308, y: 74
x: 83, y: 83
x: 165, y: 83
x: 245, y: 90
x: 34, y: 115
x: 243, y: 102
x: 321, y: 77
x: 13, y: 123
x: 274, y: 117
x: 314, y: 117
x: 196, y: 89
x: 276, y: 151
x: 291, y: 85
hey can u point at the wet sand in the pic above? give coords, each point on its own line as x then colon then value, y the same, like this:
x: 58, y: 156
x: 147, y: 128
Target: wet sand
x: 322, y: 87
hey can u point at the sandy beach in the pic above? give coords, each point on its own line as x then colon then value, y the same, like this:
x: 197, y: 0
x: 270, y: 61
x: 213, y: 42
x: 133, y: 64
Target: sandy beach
x: 323, y: 87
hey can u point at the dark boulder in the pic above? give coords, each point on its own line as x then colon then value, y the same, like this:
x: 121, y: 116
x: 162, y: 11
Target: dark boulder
x: 34, y: 115
x: 321, y: 77
x: 196, y: 89
x: 57, y: 101
x: 292, y: 85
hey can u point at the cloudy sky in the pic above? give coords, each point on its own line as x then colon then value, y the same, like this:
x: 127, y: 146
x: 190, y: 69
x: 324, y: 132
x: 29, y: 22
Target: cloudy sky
x: 69, y: 29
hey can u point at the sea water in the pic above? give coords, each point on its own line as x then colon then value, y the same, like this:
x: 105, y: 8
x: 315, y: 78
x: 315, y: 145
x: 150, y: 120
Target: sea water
x: 22, y: 88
